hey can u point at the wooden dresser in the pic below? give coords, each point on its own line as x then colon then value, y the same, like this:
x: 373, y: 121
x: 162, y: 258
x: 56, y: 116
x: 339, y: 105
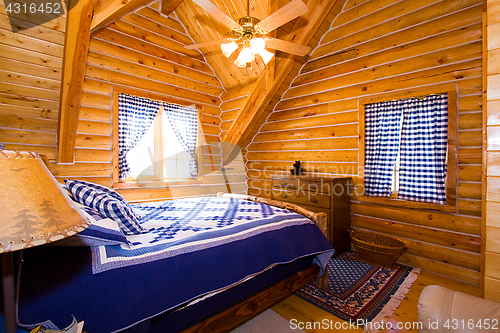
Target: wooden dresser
x: 329, y: 195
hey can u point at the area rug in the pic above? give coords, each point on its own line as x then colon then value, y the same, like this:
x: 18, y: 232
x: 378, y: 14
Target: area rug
x: 359, y: 292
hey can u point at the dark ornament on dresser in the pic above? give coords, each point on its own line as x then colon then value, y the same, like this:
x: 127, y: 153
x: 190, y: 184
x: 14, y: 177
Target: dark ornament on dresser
x: 297, y: 169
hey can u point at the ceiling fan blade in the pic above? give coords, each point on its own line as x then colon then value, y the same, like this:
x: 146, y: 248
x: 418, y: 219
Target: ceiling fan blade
x: 206, y: 44
x: 289, y: 47
x: 217, y: 13
x: 288, y: 12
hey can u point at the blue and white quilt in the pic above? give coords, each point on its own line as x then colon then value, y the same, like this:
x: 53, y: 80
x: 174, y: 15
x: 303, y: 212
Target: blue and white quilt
x: 188, y: 225
x: 194, y: 247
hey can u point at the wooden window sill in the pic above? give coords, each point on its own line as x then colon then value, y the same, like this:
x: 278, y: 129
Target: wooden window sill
x: 407, y: 203
x: 156, y: 184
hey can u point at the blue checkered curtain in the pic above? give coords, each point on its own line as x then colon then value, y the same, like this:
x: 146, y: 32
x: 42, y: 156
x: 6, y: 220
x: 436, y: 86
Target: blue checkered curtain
x: 135, y: 114
x: 424, y: 140
x: 382, y: 134
x: 184, y: 121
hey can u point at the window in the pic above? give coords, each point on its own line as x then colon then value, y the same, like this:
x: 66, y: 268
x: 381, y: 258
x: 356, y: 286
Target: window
x: 157, y: 140
x: 406, y: 156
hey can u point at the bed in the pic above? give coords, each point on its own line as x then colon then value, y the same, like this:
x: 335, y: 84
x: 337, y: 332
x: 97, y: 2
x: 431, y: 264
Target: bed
x: 201, y: 264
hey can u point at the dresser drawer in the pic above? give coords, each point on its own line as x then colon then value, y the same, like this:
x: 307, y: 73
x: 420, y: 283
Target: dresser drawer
x: 302, y: 198
x: 315, y: 186
x: 285, y: 183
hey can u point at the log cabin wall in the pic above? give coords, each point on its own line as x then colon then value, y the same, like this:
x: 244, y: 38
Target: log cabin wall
x: 372, y: 48
x: 30, y: 67
x: 492, y: 220
x: 144, y: 51
x: 231, y: 103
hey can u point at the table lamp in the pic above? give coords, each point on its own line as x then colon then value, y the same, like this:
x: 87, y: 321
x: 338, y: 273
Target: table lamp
x: 33, y: 211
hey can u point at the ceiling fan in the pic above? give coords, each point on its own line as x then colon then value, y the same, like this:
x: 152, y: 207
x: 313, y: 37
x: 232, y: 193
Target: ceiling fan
x: 250, y: 33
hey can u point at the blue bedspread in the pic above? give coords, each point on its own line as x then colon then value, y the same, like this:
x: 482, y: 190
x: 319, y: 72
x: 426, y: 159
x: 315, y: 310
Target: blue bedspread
x: 193, y: 247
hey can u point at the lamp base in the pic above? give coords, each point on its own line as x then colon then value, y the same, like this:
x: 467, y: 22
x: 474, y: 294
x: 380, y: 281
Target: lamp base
x: 9, y: 293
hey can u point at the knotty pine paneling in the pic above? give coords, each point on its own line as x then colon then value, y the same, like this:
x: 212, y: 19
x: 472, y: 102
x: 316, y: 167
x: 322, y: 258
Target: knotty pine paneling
x: 492, y: 168
x: 30, y: 76
x: 232, y: 101
x: 144, y: 53
x: 373, y: 48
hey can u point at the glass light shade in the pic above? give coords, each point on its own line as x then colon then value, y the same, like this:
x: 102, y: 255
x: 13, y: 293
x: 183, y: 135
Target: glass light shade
x: 228, y: 48
x: 266, y: 55
x: 239, y: 62
x: 257, y: 44
x: 246, y: 55
x: 34, y: 210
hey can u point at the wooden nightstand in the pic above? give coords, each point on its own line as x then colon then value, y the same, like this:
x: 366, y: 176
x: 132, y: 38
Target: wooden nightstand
x: 329, y: 195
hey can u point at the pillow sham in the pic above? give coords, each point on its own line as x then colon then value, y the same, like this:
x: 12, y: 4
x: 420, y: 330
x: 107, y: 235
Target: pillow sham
x: 98, y: 187
x: 107, y: 205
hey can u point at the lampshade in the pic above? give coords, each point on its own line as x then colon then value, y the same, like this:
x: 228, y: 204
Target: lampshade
x: 228, y: 48
x: 33, y: 210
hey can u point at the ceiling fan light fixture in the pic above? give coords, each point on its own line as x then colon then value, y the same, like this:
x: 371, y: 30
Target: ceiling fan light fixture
x: 249, y: 31
x: 266, y: 55
x: 246, y: 55
x: 228, y: 48
x: 240, y: 63
x: 257, y: 44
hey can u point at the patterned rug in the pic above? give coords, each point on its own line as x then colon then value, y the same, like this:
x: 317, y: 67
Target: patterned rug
x: 360, y: 292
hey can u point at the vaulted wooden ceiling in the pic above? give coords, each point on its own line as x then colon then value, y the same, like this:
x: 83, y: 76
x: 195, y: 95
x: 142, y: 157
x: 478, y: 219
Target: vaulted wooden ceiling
x: 93, y: 15
x: 202, y: 27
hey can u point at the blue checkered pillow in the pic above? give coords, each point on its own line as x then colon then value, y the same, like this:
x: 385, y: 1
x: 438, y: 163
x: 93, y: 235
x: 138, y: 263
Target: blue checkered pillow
x: 101, y: 188
x: 107, y: 205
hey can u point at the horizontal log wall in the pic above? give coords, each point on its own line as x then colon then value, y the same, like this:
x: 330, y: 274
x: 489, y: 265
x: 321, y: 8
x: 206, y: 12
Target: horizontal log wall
x: 30, y: 78
x: 372, y: 48
x: 231, y: 103
x: 145, y: 52
x: 492, y: 257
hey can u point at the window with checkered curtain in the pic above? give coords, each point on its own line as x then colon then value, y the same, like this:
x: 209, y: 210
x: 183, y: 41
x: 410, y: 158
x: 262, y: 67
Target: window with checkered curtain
x: 407, y: 139
x: 157, y: 140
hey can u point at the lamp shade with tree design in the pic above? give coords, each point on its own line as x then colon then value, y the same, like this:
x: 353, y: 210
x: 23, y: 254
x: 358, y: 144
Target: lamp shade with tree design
x: 33, y: 211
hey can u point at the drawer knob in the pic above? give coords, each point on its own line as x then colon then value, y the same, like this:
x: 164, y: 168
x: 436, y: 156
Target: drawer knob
x: 284, y: 184
x: 314, y: 200
x: 284, y: 196
x: 314, y: 186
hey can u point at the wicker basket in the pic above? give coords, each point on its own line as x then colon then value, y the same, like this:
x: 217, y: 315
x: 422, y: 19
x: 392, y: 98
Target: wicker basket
x: 377, y: 249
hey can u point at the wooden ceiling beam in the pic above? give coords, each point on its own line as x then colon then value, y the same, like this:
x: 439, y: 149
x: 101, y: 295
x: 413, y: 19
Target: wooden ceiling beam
x: 168, y: 6
x: 263, y: 92
x: 271, y: 66
x: 77, y: 38
x: 115, y: 10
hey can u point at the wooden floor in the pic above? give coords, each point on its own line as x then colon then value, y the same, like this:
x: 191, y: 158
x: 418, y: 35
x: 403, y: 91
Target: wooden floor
x: 302, y: 311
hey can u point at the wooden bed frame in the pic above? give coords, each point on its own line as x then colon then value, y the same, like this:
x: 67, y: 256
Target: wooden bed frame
x: 241, y: 312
